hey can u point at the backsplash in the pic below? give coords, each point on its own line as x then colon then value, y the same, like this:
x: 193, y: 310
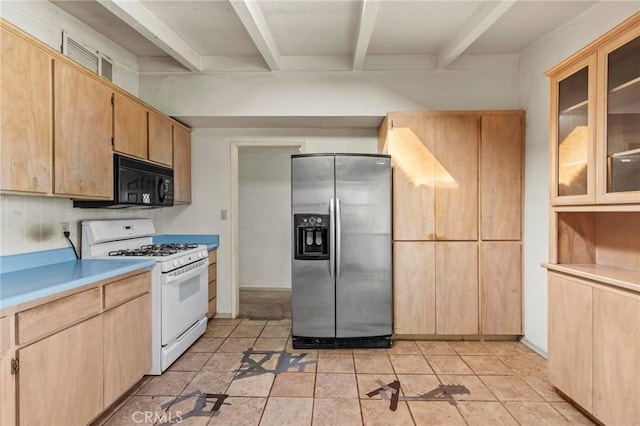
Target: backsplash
x: 33, y: 223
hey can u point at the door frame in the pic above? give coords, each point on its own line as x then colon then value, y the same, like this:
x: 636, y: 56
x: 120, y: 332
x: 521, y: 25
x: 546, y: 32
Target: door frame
x: 235, y: 147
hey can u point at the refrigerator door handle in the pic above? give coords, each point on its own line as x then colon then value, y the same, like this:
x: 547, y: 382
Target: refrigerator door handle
x: 332, y: 242
x: 338, y: 236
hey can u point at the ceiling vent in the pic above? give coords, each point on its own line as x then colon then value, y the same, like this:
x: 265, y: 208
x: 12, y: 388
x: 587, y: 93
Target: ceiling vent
x: 87, y: 56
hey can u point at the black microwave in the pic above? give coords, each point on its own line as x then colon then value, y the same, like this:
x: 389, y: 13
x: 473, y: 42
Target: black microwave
x: 137, y: 183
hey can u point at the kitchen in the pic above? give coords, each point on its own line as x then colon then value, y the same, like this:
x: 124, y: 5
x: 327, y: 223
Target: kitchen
x: 255, y: 106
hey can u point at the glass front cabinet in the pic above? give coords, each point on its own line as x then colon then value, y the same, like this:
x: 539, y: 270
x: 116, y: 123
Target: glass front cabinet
x: 595, y: 123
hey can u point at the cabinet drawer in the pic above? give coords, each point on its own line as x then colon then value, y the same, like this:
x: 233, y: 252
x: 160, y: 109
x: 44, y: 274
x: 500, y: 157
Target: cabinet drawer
x: 213, y: 270
x: 56, y: 315
x: 212, y: 289
x: 123, y: 290
x: 212, y: 256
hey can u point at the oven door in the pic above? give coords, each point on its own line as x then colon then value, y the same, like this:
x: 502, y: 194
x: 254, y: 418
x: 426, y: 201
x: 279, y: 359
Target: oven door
x: 184, y: 301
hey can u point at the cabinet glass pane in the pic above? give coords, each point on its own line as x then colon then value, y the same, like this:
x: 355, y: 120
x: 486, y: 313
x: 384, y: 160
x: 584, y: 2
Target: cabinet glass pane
x: 623, y: 118
x: 573, y: 101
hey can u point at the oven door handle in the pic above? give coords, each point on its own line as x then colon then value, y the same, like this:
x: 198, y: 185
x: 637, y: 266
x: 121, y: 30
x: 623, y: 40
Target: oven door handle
x: 174, y: 279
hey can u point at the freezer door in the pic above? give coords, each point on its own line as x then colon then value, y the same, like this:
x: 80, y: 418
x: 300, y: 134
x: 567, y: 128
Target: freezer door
x: 363, y: 246
x: 313, y: 286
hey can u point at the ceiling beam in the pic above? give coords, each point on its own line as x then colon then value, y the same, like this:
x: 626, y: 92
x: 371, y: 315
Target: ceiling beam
x: 485, y: 15
x: 365, y: 29
x: 137, y: 16
x: 253, y: 20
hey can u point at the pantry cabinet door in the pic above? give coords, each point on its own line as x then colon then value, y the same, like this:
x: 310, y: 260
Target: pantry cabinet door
x: 456, y: 176
x: 411, y: 144
x: 457, y: 288
x: 414, y: 288
x: 25, y: 109
x: 501, y: 176
x: 501, y: 287
x: 83, y: 161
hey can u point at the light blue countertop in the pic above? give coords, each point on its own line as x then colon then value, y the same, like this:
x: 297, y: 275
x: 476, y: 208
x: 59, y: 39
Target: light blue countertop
x: 212, y: 241
x: 30, y: 276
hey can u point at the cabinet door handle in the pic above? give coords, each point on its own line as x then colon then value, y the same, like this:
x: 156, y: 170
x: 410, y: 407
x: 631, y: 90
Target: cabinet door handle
x: 15, y: 366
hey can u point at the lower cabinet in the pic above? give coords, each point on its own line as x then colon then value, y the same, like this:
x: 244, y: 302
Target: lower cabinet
x: 213, y: 270
x: 60, y: 378
x: 616, y: 357
x: 70, y: 368
x: 127, y: 346
x: 594, y: 347
x: 435, y: 288
x: 570, y: 361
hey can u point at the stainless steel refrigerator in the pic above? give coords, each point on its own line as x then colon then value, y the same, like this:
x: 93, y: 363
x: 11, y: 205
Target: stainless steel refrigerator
x: 341, y: 260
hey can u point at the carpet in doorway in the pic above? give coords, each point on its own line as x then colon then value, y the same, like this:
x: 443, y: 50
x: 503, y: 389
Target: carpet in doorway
x: 265, y: 304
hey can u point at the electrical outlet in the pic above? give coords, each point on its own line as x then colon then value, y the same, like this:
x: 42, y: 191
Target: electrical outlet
x: 223, y: 215
x: 64, y: 226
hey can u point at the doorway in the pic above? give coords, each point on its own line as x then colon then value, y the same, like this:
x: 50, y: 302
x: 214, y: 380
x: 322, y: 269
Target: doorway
x: 261, y: 229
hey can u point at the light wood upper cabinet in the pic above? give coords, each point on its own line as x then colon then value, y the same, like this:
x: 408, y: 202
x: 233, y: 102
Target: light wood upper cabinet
x: 127, y: 345
x: 25, y: 110
x: 181, y: 164
x: 160, y: 139
x: 82, y: 132
x: 595, y: 135
x: 129, y: 126
x: 414, y: 292
x: 61, y: 377
x: 501, y: 287
x: 501, y: 178
x: 457, y: 288
x: 570, y: 360
x: 619, y: 118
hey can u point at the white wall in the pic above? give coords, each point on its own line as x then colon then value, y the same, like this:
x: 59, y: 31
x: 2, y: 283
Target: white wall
x: 45, y: 21
x: 264, y: 216
x: 534, y: 93
x: 211, y: 182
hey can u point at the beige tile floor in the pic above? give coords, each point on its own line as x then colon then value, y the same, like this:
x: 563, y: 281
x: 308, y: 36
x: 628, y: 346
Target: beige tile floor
x: 506, y: 381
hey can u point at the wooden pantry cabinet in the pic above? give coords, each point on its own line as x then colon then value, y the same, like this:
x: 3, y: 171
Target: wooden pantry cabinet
x: 76, y: 353
x: 457, y: 221
x: 594, y: 251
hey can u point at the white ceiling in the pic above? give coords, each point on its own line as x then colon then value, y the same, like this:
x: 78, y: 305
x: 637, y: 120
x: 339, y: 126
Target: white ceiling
x: 321, y: 35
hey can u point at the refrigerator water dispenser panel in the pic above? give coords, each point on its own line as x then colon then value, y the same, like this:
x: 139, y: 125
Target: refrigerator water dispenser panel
x: 312, y: 236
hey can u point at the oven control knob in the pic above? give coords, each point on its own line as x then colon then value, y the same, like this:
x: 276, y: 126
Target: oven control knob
x: 175, y: 262
x: 204, y: 254
x: 182, y: 261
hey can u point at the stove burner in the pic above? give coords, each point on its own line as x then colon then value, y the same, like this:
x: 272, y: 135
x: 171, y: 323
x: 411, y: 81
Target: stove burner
x: 154, y: 250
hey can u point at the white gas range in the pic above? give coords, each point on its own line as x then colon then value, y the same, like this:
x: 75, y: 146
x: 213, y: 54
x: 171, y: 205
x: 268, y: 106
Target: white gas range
x: 179, y: 283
